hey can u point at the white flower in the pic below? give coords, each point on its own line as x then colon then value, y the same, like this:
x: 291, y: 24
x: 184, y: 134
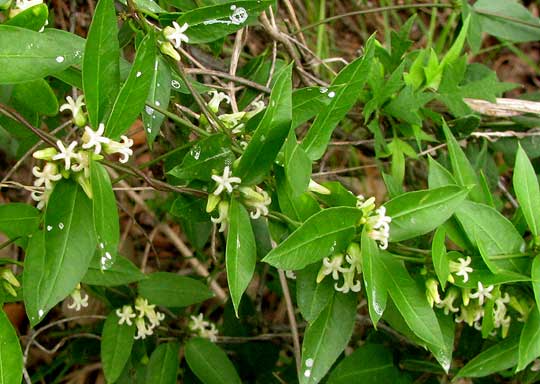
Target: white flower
x: 41, y: 197
x: 78, y: 300
x: 176, y: 34
x: 365, y: 205
x: 142, y: 329
x: 66, y: 153
x: 198, y: 323
x: 225, y: 182
x: 290, y: 275
x: 47, y: 176
x: 83, y: 164
x: 210, y: 333
x: 216, y: 100
x: 123, y: 148
x: 482, y: 293
x: 332, y: 267
x: 448, y: 302
x: 470, y: 314
x: 259, y: 201
x: 378, y: 224
x: 317, y: 188
x: 461, y: 268
x: 75, y: 106
x: 125, y: 315
x: 145, y: 309
x: 256, y: 107
x: 349, y: 284
x: 233, y: 121
x: 432, y: 292
x: 223, y: 209
x: 94, y: 138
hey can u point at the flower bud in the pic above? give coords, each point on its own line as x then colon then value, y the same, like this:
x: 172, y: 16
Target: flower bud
x: 317, y: 188
x: 9, y: 288
x: 84, y: 182
x: 212, y: 202
x: 432, y: 292
x: 8, y: 276
x: 45, y: 154
x: 168, y: 49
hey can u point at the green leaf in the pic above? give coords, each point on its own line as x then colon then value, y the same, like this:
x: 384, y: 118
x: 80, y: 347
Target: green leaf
x: 159, y: 94
x: 374, y: 278
x: 455, y: 50
x: 411, y: 301
x: 33, y: 18
x: 270, y: 133
x: 18, y: 219
x: 104, y: 213
x: 499, y: 357
x: 37, y: 96
x: 369, y: 364
x: 145, y: 5
x: 312, y: 297
x: 419, y: 212
x: 209, y: 363
x: 121, y: 272
x: 27, y: 55
x: 101, y: 63
x: 207, y: 24
x: 298, y: 208
x: 11, y: 357
x: 527, y: 190
x: 116, y: 343
x: 163, y: 365
x: 307, y: 103
x: 206, y: 158
x: 132, y: 96
x: 58, y: 257
x: 241, y: 252
x: 529, y: 341
x: 172, y: 290
x: 326, y: 337
x: 498, y: 234
x: 345, y: 87
x: 297, y: 165
x: 535, y: 277
x: 323, y: 233
x: 438, y: 256
x: 501, y: 18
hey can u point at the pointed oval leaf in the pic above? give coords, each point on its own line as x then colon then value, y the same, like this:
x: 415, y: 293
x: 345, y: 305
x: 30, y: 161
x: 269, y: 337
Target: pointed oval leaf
x: 116, y: 343
x: 270, y: 134
x: 159, y: 94
x: 438, y: 256
x: 11, y: 357
x: 101, y: 63
x: 312, y: 297
x: 209, y: 363
x: 37, y: 96
x: 33, y: 18
x: 527, y: 190
x: 163, y: 365
x: 58, y: 256
x: 18, y: 219
x: 374, y: 278
x: 529, y: 341
x: 172, y: 290
x: 326, y: 337
x: 323, y: 233
x: 419, y: 212
x: 121, y: 272
x: 132, y: 96
x: 241, y: 252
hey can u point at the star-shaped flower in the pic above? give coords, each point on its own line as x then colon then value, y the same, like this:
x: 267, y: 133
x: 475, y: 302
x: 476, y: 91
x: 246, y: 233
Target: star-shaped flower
x: 482, y: 293
x: 125, y: 315
x: 176, y: 34
x: 94, y: 138
x: 75, y: 106
x: 225, y: 182
x: 461, y: 268
x: 79, y: 300
x: 66, y: 153
x: 47, y: 176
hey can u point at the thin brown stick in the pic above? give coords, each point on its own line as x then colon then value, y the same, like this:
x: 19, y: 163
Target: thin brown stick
x: 292, y: 319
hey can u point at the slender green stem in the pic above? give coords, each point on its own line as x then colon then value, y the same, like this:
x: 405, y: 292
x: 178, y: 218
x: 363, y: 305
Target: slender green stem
x: 9, y: 261
x: 511, y: 256
x: 179, y: 120
x: 410, y: 259
x: 283, y: 218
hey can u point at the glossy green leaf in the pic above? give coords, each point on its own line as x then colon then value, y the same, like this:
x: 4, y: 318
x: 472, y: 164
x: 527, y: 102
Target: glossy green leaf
x: 58, y: 257
x: 325, y: 232
x: 37, y: 96
x: 270, y: 134
x: 145, y: 5
x: 207, y: 24
x: 101, y: 63
x: 172, y: 290
x: 438, y: 256
x: 419, y: 212
x: 497, y: 233
x: 411, y: 301
x: 298, y: 208
x: 312, y: 297
x: 297, y: 165
x: 307, y: 103
x: 339, y: 196
x: 11, y: 357
x: 33, y: 18
x: 438, y: 176
x: 104, y: 213
x: 499, y: 357
x: 27, y: 55
x: 121, y: 272
x: 209, y: 363
x: 132, y: 96
x: 527, y: 190
x: 206, y: 158
x: 529, y: 341
x: 369, y: 364
x: 535, y: 277
x: 18, y: 219
x: 462, y: 169
x: 344, y: 92
x: 160, y: 92
x: 163, y: 365
x: 116, y: 343
x: 443, y: 353
x: 374, y: 278
x: 326, y: 337
x: 241, y: 252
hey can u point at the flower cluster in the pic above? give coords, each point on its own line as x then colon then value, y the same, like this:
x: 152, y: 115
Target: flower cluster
x: 146, y: 320
x: 376, y: 221
x: 348, y: 267
x: 203, y: 328
x: 64, y: 159
x: 79, y: 299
